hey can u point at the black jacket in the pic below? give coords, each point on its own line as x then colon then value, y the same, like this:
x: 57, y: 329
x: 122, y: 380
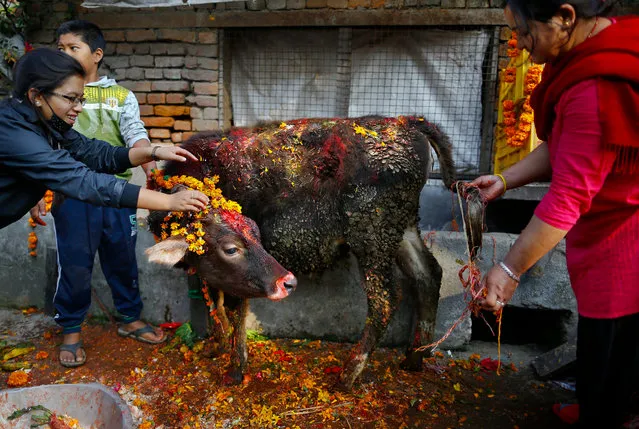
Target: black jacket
x: 34, y: 159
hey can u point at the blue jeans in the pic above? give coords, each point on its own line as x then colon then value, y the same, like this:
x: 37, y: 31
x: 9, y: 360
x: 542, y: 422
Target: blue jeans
x: 83, y: 229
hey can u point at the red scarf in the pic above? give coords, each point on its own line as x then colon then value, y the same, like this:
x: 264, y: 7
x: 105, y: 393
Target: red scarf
x: 611, y: 57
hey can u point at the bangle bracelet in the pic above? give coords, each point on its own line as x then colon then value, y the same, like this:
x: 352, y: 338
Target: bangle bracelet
x: 503, y: 181
x: 153, y: 156
x: 508, y: 271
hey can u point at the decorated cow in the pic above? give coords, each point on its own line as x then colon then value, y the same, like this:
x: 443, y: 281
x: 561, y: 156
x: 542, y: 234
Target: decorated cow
x: 293, y: 198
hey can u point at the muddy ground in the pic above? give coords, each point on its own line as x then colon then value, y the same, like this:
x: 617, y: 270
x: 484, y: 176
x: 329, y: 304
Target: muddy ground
x: 290, y: 383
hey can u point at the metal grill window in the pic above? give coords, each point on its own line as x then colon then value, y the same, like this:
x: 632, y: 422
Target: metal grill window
x: 446, y: 74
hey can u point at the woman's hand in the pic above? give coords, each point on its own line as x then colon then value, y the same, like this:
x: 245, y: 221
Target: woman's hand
x: 38, y: 210
x: 188, y: 200
x: 172, y: 153
x: 500, y: 289
x: 490, y: 187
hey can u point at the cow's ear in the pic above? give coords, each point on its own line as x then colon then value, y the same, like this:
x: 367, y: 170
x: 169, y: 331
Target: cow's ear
x: 168, y: 252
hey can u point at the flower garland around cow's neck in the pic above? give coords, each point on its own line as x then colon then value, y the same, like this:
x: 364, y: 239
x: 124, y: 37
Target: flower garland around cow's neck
x: 189, y: 225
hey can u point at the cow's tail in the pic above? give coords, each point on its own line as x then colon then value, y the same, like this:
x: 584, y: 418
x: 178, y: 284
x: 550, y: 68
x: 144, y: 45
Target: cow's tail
x: 472, y: 203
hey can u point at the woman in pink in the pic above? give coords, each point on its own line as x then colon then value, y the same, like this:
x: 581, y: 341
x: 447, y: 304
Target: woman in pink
x: 587, y: 112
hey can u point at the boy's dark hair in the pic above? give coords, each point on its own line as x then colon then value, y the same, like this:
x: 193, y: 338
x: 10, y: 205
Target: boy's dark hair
x: 44, y: 69
x: 87, y: 31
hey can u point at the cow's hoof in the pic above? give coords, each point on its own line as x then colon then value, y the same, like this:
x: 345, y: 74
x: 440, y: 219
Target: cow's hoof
x: 341, y: 386
x: 413, y: 362
x: 232, y: 377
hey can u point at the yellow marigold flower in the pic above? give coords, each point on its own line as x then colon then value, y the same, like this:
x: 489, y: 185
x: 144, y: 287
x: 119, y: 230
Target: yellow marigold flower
x: 174, y: 225
x: 190, y: 238
x: 200, y: 233
x: 164, y: 235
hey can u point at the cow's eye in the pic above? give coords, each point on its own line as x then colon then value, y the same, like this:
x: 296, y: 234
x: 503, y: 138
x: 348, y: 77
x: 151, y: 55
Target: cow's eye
x: 231, y: 250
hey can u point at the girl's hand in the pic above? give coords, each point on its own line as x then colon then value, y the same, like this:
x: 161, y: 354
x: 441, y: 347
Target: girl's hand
x: 188, y: 200
x: 38, y: 210
x: 172, y: 153
x: 491, y: 187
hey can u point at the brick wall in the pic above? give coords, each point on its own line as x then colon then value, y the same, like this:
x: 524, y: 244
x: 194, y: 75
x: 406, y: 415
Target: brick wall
x: 169, y: 57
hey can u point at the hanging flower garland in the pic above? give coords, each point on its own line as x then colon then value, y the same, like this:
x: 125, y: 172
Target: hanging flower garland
x: 517, y: 123
x: 189, y: 225
x: 33, y: 237
x: 517, y: 130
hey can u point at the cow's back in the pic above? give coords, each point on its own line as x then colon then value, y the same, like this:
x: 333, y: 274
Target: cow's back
x: 316, y: 187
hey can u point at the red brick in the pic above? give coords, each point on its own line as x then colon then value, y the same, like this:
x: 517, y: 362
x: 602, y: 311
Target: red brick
x: 179, y: 35
x: 124, y: 49
x: 176, y: 137
x: 207, y: 37
x: 182, y: 126
x: 172, y: 110
x: 315, y: 4
x: 170, y: 86
x: 175, y: 98
x: 136, y: 86
x: 159, y: 133
x: 114, y: 36
x: 141, y: 97
x: 205, y: 125
x: 140, y: 36
x: 186, y: 136
x: 146, y: 110
x: 203, y: 100
x: 154, y: 121
x: 205, y: 88
x: 156, y: 98
x: 337, y: 4
x: 352, y: 4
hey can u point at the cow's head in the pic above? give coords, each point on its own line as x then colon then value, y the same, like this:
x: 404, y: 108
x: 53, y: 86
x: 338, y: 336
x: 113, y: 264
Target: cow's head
x: 234, y: 261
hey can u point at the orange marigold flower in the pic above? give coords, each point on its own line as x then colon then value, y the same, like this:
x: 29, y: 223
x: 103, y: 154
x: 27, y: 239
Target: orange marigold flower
x: 509, y: 122
x: 508, y: 105
x: 512, y: 43
x: 18, y: 379
x: 42, y: 355
x: 512, y: 53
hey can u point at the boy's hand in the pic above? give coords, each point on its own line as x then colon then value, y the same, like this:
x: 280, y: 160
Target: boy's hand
x: 173, y: 153
x: 38, y: 210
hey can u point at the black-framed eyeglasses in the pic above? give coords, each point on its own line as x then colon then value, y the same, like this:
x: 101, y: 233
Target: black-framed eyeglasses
x: 70, y: 99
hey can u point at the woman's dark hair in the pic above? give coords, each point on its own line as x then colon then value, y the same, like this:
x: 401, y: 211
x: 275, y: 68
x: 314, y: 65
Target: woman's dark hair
x: 43, y: 69
x: 543, y: 10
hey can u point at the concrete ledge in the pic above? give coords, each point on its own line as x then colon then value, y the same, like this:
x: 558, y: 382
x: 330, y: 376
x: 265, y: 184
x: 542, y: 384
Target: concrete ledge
x: 331, y: 306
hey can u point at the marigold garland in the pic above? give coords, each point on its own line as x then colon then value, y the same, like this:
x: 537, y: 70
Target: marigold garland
x: 189, y: 225
x: 33, y: 238
x: 517, y: 129
x: 512, y: 52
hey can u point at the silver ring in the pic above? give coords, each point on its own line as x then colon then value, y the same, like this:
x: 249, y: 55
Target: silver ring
x: 498, y: 302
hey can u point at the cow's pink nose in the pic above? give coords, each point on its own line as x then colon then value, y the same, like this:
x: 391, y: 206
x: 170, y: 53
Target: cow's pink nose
x: 283, y: 287
x: 290, y: 282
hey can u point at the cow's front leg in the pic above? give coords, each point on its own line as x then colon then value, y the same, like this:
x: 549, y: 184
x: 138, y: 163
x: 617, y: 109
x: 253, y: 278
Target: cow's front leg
x: 424, y: 277
x: 239, y: 353
x: 382, y: 298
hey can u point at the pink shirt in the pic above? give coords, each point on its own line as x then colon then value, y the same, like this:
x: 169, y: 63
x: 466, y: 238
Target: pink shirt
x: 598, y: 206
